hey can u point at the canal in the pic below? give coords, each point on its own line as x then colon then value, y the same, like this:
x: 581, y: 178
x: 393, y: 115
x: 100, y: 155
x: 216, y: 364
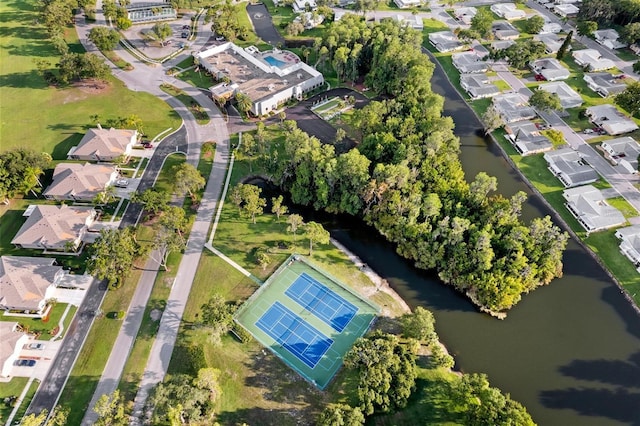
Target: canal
x: 570, y: 351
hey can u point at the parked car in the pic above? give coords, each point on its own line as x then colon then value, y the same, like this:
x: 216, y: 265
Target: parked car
x: 219, y: 38
x: 186, y: 27
x: 587, y: 131
x: 35, y: 346
x: 121, y: 183
x: 25, y: 362
x: 185, y: 34
x: 147, y: 145
x: 540, y: 77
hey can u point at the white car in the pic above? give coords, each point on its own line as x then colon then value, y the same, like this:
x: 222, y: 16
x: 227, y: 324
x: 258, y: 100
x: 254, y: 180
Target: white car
x: 35, y: 346
x: 121, y: 183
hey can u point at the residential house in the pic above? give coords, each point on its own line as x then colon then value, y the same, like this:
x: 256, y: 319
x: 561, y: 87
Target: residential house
x: 471, y: 61
x: 26, y: 283
x: 635, y: 48
x: 465, y: 14
x: 80, y: 182
x: 12, y: 343
x: 301, y: 6
x: 551, y: 42
x: 568, y: 166
x: 569, y: 98
x: 629, y: 237
x: 623, y: 152
x: 501, y: 44
x: 609, y: 38
x: 269, y: 79
x: 566, y: 10
x: 513, y: 107
x: 592, y: 60
x: 526, y: 138
x: 588, y: 205
x: 104, y: 145
x: 309, y: 20
x: 445, y: 41
x: 610, y: 119
x: 503, y: 30
x: 508, y: 11
x: 550, y: 68
x: 604, y: 83
x: 413, y: 21
x: 478, y: 86
x: 551, y: 28
x: 54, y: 227
x: 407, y: 4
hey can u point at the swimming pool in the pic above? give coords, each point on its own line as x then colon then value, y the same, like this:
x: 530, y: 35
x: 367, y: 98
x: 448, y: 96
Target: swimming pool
x: 274, y: 61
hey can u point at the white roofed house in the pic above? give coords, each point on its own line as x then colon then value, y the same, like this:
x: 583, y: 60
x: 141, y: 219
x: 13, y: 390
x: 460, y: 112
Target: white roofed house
x: 471, y: 61
x: 551, y: 42
x: 569, y: 98
x: 551, y: 27
x: 610, y: 119
x: 526, y: 138
x: 405, y: 4
x: 11, y: 343
x: 465, y: 14
x: 104, y: 145
x: 592, y: 60
x: 26, y: 283
x: 630, y: 243
x: 569, y: 167
x: 269, y: 79
x: 604, y: 83
x: 550, y: 68
x: 566, y: 10
x: 80, y: 182
x: 300, y: 6
x: 445, y: 41
x: 623, y: 152
x: 609, y: 38
x: 513, y: 107
x: 478, y: 86
x: 588, y: 205
x: 508, y: 11
x: 54, y: 228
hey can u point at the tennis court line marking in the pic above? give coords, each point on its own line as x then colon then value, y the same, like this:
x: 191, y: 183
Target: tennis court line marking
x: 232, y: 263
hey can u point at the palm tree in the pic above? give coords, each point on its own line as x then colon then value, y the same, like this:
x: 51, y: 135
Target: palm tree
x: 244, y: 103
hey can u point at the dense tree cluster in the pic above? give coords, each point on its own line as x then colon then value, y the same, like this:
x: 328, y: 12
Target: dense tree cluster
x: 545, y: 101
x: 113, y: 254
x: 607, y: 12
x: 406, y: 180
x: 387, y: 372
x: 520, y: 53
x: 20, y: 171
x: 225, y: 21
x: 629, y: 99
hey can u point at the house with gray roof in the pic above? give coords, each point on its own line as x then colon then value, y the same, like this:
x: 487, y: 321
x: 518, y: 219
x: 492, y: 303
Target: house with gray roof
x: 551, y: 42
x: 53, y: 228
x: 465, y: 14
x: 569, y: 167
x: 513, y: 107
x: 503, y: 30
x: 501, y: 44
x: 478, y: 86
x: 604, y: 83
x: 609, y: 38
x: 471, y: 61
x: 508, y: 11
x: 80, y: 182
x: 526, y: 138
x: 629, y: 237
x: 12, y: 343
x: 623, y: 152
x: 592, y: 60
x: 610, y: 119
x: 550, y: 27
x: 588, y: 205
x: 445, y: 41
x: 26, y: 283
x: 550, y: 68
x: 569, y: 98
x: 104, y: 145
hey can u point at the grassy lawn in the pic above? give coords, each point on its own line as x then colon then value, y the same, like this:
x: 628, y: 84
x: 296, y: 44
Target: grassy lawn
x: 12, y: 388
x: 194, y: 107
x: 623, y: 205
x: 63, y: 114
x: 166, y: 179
x: 431, y: 26
x: 42, y: 326
x: 197, y: 79
x: 27, y: 399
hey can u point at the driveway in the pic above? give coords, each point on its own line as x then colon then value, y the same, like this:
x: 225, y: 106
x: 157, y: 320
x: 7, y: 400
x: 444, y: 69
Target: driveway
x: 263, y: 24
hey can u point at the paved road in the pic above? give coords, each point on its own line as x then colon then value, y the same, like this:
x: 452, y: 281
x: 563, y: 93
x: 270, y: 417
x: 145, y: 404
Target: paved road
x: 49, y: 390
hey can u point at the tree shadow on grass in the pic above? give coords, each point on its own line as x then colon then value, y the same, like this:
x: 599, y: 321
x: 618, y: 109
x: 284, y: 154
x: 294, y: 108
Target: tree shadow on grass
x: 61, y: 150
x: 28, y: 80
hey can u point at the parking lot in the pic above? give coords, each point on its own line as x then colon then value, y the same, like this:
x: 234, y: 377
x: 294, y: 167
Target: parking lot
x: 153, y: 49
x: 42, y: 358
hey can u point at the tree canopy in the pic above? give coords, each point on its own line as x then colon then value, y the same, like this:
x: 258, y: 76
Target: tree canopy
x: 112, y: 255
x: 629, y: 99
x: 20, y: 171
x: 104, y: 38
x: 191, y: 399
x: 545, y: 101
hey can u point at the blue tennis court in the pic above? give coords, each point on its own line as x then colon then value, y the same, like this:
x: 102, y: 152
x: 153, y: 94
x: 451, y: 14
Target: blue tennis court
x: 322, y: 302
x: 294, y: 334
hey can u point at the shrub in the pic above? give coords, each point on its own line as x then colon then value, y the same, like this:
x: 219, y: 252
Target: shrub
x: 241, y: 334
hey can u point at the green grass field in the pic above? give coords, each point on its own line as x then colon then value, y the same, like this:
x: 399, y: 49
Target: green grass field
x: 273, y: 290
x: 9, y: 389
x: 54, y: 119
